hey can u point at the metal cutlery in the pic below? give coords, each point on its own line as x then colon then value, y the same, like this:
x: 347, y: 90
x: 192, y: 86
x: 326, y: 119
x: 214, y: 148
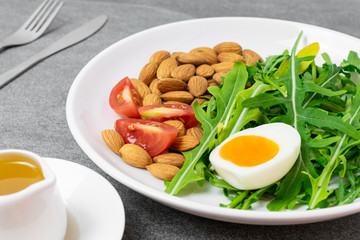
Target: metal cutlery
x: 68, y: 40
x: 34, y: 26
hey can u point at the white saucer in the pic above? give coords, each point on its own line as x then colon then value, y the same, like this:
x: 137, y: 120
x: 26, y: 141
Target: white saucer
x: 94, y: 208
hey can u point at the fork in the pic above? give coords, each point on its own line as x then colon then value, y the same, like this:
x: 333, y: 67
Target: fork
x: 34, y: 26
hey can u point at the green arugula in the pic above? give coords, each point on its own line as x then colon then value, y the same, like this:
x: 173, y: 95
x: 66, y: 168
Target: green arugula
x: 321, y: 102
x: 299, y: 118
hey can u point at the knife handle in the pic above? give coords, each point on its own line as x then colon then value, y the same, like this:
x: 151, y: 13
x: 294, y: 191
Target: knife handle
x: 10, y: 75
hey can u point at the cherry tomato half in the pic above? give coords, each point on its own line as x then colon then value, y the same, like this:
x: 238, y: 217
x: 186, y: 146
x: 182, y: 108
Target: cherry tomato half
x: 163, y: 112
x: 154, y: 137
x: 124, y: 99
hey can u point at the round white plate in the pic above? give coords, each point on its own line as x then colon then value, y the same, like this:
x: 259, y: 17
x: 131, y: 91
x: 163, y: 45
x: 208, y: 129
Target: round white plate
x: 88, y: 111
x: 94, y: 208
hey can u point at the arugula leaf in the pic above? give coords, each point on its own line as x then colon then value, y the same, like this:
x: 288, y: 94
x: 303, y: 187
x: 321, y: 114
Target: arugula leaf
x: 320, y: 184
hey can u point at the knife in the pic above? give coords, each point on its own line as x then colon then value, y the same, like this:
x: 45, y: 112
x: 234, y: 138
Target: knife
x: 68, y: 40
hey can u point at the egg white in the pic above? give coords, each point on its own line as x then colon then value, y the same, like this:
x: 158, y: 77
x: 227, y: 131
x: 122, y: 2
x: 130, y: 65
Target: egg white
x: 249, y: 178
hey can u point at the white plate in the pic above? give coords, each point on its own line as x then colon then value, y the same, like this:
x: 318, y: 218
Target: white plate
x: 88, y: 111
x: 94, y: 208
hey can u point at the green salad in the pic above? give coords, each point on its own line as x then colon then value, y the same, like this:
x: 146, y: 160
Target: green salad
x: 322, y: 102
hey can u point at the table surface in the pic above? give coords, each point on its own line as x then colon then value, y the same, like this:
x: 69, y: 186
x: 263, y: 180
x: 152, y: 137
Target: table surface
x: 32, y: 108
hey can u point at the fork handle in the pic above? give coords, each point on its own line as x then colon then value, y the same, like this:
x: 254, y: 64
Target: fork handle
x: 68, y: 40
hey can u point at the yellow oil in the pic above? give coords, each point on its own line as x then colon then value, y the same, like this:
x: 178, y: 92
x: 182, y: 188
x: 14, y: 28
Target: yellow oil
x: 17, y: 172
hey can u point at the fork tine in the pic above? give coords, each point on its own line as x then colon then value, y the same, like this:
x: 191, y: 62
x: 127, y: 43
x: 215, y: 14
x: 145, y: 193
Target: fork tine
x: 48, y: 17
x: 35, y: 14
x: 50, y: 4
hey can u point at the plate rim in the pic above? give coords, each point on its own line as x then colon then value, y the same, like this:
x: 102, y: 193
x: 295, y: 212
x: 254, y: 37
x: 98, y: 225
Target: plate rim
x: 217, y: 213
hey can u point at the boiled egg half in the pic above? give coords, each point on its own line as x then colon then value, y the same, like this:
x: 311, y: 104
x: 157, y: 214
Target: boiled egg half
x: 257, y: 157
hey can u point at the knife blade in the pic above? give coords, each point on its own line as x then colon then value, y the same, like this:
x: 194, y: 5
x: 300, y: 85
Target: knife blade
x: 68, y: 40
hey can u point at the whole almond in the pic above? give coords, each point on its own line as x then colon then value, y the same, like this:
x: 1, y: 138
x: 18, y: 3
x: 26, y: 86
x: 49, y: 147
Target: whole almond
x: 197, y: 85
x: 163, y: 171
x: 223, y: 66
x: 178, y: 124
x: 183, y: 72
x: 154, y: 87
x: 199, y: 100
x: 151, y: 99
x: 203, y: 49
x: 135, y: 156
x: 212, y: 82
x: 141, y: 87
x: 195, y: 132
x: 170, y: 158
x: 113, y: 139
x: 251, y: 57
x: 185, y: 143
x: 210, y: 57
x: 165, y: 68
x: 180, y: 96
x: 191, y: 59
x: 159, y: 56
x: 228, y: 47
x: 171, y: 84
x: 175, y: 54
x: 205, y: 70
x: 148, y: 73
x: 218, y: 77
x: 230, y: 57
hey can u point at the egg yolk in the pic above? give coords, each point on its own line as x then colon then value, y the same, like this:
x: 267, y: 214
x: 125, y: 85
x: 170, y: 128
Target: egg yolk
x: 249, y: 150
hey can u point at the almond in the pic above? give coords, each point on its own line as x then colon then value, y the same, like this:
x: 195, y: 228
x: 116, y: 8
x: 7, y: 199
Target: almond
x: 135, y: 156
x: 183, y: 72
x: 210, y: 57
x: 165, y: 68
x: 175, y: 102
x: 197, y: 85
x: 185, y: 143
x: 218, y: 77
x: 154, y: 87
x: 171, y: 84
x: 151, y: 99
x: 205, y: 71
x: 191, y: 59
x: 178, y: 124
x: 199, y: 100
x: 251, y: 57
x: 141, y: 87
x: 113, y: 139
x: 223, y: 66
x: 230, y: 57
x: 170, y: 158
x: 212, y: 82
x: 195, y: 132
x: 203, y: 49
x: 175, y: 54
x: 180, y: 96
x: 159, y: 56
x: 228, y: 47
x: 163, y: 171
x: 148, y: 73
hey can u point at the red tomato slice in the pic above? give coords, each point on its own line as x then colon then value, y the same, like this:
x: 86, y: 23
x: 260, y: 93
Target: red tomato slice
x: 163, y: 112
x: 154, y: 137
x: 124, y: 99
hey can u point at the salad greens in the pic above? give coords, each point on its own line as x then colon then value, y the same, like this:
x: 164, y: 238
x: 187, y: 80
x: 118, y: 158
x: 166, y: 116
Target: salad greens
x: 321, y: 102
